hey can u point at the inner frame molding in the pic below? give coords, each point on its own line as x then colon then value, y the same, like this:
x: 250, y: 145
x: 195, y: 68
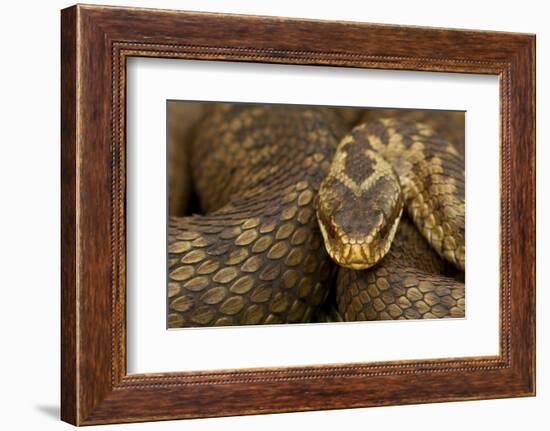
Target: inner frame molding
x: 96, y: 42
x: 121, y: 53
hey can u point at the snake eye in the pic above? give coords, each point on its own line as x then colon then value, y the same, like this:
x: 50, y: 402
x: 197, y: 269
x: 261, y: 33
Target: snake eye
x: 331, y: 230
x: 383, y: 226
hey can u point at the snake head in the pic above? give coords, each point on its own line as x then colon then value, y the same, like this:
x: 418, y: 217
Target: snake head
x: 358, y: 206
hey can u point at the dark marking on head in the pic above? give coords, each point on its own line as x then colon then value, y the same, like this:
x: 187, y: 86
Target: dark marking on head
x: 359, y: 165
x: 358, y: 216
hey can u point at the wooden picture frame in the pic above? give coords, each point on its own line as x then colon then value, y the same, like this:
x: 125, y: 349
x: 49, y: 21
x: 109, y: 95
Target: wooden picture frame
x: 95, y: 43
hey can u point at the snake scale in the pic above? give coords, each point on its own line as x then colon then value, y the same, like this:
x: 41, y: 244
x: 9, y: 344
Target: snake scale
x: 285, y: 192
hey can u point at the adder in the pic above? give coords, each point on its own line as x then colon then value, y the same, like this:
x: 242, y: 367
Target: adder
x: 297, y: 209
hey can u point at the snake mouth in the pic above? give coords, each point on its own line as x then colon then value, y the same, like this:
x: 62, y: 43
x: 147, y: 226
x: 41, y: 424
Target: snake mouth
x: 359, y: 256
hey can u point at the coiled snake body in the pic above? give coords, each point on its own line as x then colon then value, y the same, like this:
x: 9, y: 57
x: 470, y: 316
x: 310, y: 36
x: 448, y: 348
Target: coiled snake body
x: 257, y: 254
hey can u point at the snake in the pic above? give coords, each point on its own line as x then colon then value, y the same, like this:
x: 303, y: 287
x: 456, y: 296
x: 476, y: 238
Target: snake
x: 308, y: 215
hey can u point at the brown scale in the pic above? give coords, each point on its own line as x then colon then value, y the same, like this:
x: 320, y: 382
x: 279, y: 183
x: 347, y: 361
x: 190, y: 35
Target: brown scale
x: 447, y: 124
x: 257, y: 255
x: 410, y: 282
x: 431, y: 173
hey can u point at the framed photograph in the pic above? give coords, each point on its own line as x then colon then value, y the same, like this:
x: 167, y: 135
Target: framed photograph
x: 265, y: 214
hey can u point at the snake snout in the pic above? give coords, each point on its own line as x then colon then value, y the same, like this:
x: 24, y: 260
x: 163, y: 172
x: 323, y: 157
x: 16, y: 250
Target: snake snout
x: 361, y: 241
